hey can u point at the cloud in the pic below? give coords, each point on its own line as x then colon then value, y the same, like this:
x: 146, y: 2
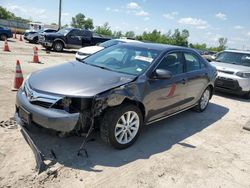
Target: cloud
x: 27, y: 12
x: 65, y: 14
x: 133, y: 6
x: 238, y: 27
x: 141, y: 13
x: 170, y: 16
x: 146, y: 18
x: 221, y: 16
x: 248, y: 34
x: 112, y: 10
x: 197, y: 23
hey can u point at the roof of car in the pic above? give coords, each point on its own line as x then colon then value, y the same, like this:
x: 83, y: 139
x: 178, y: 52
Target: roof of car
x: 156, y: 46
x: 127, y: 40
x: 238, y: 51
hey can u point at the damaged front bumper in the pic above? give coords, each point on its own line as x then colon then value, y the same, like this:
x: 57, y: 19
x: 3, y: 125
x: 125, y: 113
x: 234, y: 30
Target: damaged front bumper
x: 50, y: 118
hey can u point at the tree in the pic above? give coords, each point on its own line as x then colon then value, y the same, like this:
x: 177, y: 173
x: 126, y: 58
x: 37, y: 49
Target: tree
x: 80, y: 21
x: 4, y: 14
x: 104, y: 29
x: 222, y: 43
x: 198, y: 46
x: 130, y: 34
x: 117, y: 34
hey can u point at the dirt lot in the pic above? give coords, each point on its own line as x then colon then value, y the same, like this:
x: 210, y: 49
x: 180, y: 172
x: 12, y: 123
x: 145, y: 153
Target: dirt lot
x: 188, y: 150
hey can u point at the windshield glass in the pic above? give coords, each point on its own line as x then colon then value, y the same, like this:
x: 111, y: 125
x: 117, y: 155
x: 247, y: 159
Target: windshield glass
x: 234, y: 58
x: 110, y: 43
x: 64, y: 31
x: 122, y: 58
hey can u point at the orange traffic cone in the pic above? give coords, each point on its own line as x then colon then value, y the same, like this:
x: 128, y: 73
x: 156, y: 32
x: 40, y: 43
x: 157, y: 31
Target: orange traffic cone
x: 6, y: 46
x: 35, y: 56
x: 21, y: 38
x: 18, y: 80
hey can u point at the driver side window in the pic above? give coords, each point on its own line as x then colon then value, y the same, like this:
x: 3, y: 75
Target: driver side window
x: 173, y: 63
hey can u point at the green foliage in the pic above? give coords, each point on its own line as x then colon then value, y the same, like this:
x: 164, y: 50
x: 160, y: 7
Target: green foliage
x: 117, y: 34
x: 222, y: 43
x: 198, y: 46
x: 104, y: 29
x: 80, y: 21
x: 177, y: 38
x: 130, y: 34
x: 5, y: 14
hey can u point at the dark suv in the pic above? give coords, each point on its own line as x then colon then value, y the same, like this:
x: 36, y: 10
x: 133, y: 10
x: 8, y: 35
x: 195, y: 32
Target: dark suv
x: 69, y: 38
x: 118, y: 90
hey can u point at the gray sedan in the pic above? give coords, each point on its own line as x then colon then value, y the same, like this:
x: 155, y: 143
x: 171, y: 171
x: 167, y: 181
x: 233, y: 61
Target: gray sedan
x: 117, y: 90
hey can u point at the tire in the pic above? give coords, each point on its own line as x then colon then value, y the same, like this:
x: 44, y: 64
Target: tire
x: 3, y: 37
x: 114, y: 130
x: 247, y: 96
x: 58, y: 46
x: 35, y: 40
x: 203, y: 101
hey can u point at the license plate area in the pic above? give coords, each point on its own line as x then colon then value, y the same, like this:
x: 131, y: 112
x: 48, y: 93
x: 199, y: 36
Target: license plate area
x: 25, y: 115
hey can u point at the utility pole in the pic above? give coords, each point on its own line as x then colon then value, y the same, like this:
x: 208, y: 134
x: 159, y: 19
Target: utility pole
x: 60, y: 11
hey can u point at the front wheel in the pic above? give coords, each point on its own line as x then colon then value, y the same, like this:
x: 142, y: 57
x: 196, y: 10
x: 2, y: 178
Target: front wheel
x: 3, y: 37
x: 121, y: 126
x: 204, y: 100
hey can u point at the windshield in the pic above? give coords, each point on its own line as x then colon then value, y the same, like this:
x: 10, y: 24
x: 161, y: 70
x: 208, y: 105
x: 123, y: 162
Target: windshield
x: 64, y: 31
x: 234, y: 58
x: 110, y: 43
x: 123, y: 58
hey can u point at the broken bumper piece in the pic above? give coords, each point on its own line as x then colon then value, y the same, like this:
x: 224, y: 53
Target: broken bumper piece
x: 40, y: 165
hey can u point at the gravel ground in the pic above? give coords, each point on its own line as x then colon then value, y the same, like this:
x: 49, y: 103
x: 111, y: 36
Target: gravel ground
x: 191, y: 149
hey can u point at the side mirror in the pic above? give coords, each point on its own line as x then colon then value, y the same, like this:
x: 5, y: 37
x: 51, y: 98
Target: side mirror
x: 162, y: 74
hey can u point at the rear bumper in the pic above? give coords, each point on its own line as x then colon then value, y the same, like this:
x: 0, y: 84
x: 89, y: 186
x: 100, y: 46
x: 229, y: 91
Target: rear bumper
x: 51, y: 118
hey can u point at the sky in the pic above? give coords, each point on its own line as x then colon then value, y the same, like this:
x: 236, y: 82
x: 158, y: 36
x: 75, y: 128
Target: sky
x: 206, y: 20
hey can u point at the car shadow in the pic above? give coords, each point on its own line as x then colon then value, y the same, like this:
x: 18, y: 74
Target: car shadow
x: 156, y: 138
x: 64, y: 51
x: 231, y: 96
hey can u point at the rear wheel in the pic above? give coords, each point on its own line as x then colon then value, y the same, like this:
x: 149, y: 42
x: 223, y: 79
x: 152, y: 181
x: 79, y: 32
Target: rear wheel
x: 3, y: 36
x: 204, y: 100
x: 121, y: 126
x: 58, y: 46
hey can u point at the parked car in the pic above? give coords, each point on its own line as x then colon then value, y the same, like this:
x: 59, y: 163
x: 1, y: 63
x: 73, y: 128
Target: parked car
x: 70, y: 38
x: 86, y: 51
x: 33, y: 36
x: 233, y: 72
x: 118, y: 89
x: 5, y: 33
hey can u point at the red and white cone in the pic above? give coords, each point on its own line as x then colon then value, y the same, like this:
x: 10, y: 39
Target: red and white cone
x: 21, y: 38
x: 6, y: 46
x: 35, y: 56
x: 18, y: 80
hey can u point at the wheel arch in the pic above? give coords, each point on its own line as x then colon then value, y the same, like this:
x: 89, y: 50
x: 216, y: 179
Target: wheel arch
x: 59, y: 40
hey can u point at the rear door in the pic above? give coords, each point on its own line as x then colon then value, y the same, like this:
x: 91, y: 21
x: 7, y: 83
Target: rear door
x: 197, y: 76
x: 166, y: 96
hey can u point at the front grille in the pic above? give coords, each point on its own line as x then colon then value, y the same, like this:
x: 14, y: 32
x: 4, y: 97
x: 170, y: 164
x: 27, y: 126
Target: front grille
x: 40, y: 99
x: 227, y: 72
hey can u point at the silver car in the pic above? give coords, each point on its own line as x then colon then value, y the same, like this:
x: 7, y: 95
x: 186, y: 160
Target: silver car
x: 233, y: 68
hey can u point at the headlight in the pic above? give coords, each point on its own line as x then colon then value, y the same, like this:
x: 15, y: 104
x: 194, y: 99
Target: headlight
x: 23, y: 84
x: 243, y: 74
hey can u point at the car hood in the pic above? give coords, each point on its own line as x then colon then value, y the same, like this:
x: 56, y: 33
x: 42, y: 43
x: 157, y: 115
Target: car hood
x: 90, y: 49
x: 229, y: 67
x: 76, y: 79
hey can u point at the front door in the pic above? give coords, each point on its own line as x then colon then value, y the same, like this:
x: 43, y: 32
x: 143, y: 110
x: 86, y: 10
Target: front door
x: 166, y: 96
